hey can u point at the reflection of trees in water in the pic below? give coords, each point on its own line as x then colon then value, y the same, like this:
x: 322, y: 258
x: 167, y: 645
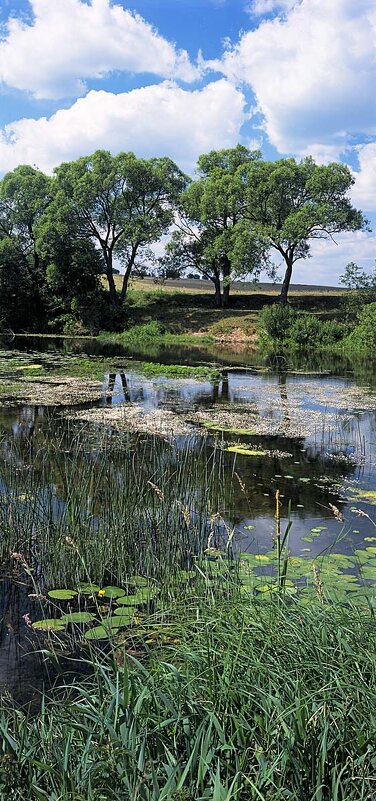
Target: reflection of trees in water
x: 22, y: 671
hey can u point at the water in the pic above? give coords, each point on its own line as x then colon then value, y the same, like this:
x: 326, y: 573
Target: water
x: 318, y: 430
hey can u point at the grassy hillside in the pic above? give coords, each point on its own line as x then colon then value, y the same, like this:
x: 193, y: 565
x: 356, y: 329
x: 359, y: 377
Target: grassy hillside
x: 187, y: 307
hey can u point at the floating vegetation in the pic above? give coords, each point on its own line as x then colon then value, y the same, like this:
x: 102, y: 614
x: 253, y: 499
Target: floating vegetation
x: 242, y: 451
x: 62, y: 595
x: 133, y: 417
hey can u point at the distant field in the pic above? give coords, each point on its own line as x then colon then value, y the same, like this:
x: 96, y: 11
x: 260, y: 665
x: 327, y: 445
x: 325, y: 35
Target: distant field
x: 237, y: 288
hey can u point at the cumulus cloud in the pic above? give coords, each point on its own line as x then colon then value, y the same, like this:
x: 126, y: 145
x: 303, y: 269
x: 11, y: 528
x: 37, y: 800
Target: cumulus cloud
x: 364, y: 192
x: 70, y: 41
x: 162, y: 119
x: 258, y: 8
x: 313, y: 72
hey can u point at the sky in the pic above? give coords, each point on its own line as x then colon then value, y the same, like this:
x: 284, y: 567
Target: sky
x: 182, y: 77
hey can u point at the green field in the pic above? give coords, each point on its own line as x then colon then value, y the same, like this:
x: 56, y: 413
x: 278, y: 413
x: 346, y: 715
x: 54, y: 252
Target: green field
x: 187, y: 306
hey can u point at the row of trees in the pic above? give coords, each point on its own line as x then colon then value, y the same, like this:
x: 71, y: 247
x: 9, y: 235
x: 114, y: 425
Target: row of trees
x: 59, y: 233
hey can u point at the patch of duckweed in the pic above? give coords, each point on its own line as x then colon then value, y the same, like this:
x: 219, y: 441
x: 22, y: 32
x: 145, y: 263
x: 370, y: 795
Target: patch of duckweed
x: 246, y: 451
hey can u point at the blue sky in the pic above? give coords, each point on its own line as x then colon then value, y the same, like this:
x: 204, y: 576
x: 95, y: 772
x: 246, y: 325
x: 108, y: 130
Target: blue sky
x: 181, y: 77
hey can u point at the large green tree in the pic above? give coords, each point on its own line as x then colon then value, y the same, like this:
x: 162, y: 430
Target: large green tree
x: 121, y: 203
x: 289, y: 204
x: 24, y: 196
x: 207, y: 223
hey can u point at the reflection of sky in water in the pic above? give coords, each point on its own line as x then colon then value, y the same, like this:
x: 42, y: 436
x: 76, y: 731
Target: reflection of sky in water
x: 339, y: 433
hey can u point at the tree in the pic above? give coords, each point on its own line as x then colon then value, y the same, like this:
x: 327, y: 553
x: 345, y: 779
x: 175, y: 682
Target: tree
x: 290, y: 204
x: 362, y: 288
x: 74, y: 295
x: 24, y: 197
x: 121, y: 203
x: 207, y: 223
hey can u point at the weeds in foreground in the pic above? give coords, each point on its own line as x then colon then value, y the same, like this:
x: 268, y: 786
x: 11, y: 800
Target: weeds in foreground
x: 244, y: 702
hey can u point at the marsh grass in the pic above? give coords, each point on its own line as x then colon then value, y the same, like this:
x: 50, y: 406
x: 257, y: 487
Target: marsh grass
x: 233, y: 702
x: 83, y: 505
x: 217, y: 690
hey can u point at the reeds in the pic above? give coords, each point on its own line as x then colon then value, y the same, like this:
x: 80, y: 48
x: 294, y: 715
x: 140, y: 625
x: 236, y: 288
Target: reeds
x: 245, y: 702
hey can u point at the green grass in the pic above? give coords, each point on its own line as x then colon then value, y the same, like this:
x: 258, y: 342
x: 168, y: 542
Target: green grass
x: 224, y: 701
x: 230, y: 679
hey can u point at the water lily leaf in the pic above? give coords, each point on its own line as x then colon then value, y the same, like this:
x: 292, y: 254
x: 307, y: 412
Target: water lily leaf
x: 369, y: 539
x: 123, y: 617
x: 98, y: 633
x: 129, y: 600
x: 62, y: 595
x: 249, y: 528
x: 187, y: 574
x: 305, y: 480
x: 112, y: 592
x: 49, y: 624
x: 246, y: 451
x: 138, y: 581
x: 78, y: 617
x: 88, y: 589
x: 306, y: 539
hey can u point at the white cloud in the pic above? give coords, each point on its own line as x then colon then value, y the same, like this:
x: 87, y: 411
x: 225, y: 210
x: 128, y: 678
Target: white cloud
x: 70, y: 41
x: 162, y: 119
x: 364, y: 192
x: 258, y: 8
x: 328, y: 259
x: 313, y: 72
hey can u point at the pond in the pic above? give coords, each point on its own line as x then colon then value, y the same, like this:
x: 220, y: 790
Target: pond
x: 147, y: 473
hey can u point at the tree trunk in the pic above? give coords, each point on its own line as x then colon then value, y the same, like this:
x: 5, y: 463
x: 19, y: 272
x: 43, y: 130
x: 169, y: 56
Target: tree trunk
x: 127, y: 274
x: 226, y: 282
x: 110, y: 277
x: 217, y: 289
x: 286, y: 281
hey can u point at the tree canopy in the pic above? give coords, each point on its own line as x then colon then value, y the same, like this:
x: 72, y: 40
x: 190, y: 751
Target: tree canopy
x: 207, y: 222
x: 290, y: 204
x: 121, y: 203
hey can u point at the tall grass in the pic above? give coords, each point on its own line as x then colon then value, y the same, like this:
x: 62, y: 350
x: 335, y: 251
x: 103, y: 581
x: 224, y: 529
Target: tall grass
x: 79, y: 505
x: 238, y: 702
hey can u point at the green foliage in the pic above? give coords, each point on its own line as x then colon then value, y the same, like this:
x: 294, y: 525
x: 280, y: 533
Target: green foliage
x: 121, y: 204
x: 289, y: 204
x: 362, y: 289
x: 276, y: 321
x: 283, y: 324
x: 363, y: 338
x: 237, y: 701
x: 210, y: 210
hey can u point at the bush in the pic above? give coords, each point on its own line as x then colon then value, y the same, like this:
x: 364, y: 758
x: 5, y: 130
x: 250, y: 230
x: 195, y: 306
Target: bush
x: 363, y: 337
x: 309, y: 331
x: 276, y: 321
x: 305, y: 330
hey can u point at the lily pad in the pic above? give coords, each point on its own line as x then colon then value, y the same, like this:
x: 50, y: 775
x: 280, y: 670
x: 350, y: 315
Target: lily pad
x: 98, y: 633
x: 123, y: 617
x: 88, y: 589
x: 78, y: 617
x: 62, y: 595
x: 129, y: 600
x: 138, y: 581
x: 112, y: 592
x: 49, y: 624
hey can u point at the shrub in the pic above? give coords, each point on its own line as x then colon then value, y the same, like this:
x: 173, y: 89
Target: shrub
x: 305, y: 330
x: 363, y: 337
x: 276, y: 321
